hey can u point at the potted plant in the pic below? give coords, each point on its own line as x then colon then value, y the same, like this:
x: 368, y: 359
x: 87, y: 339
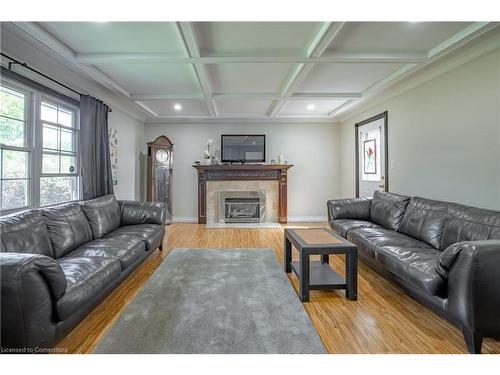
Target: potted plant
x: 208, y: 154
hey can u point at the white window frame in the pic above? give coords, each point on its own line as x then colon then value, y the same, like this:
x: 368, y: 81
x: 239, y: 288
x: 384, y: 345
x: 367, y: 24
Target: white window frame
x: 34, y: 142
x: 39, y: 144
x: 28, y: 136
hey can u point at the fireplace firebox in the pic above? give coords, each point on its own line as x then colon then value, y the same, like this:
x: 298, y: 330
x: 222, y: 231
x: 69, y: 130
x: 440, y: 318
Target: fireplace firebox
x: 242, y: 206
x: 242, y: 210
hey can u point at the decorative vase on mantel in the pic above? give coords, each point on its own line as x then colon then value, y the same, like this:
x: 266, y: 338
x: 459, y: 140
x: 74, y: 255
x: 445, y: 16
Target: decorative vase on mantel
x: 208, y: 161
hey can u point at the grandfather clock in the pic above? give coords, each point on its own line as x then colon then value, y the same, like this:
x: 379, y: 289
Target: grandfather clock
x: 160, y: 173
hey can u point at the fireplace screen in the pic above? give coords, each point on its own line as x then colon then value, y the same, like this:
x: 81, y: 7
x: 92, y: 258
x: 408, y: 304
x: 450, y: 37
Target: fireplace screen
x: 239, y: 210
x: 242, y: 206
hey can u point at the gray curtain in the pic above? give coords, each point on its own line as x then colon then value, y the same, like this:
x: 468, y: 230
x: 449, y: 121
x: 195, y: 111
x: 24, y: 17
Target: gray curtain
x: 95, y: 159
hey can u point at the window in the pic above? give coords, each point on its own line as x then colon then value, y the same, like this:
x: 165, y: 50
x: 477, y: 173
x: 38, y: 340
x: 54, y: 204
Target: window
x: 14, y: 154
x: 59, y: 176
x: 39, y: 149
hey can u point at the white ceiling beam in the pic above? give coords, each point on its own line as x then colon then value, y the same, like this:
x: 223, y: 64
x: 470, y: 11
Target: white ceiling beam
x: 236, y: 119
x: 262, y: 96
x: 137, y: 58
x: 318, y: 45
x: 186, y: 33
x: 165, y: 97
x: 472, y: 31
x: 146, y: 108
x: 62, y: 51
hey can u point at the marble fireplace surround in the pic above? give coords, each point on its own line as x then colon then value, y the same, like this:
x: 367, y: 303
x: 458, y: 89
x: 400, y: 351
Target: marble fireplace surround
x: 252, y: 177
x: 214, y: 188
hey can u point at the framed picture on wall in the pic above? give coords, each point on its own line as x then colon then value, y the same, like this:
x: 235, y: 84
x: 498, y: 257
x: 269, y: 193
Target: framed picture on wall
x: 370, y: 156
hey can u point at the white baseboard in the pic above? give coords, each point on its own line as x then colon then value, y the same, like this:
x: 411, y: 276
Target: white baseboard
x: 184, y: 219
x: 295, y: 219
x: 291, y: 219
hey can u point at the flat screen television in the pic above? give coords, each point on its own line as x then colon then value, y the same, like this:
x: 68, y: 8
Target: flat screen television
x: 243, y: 148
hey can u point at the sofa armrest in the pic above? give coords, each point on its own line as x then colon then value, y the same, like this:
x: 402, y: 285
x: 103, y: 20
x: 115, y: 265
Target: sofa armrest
x: 135, y: 212
x: 351, y: 208
x: 474, y: 285
x: 29, y: 285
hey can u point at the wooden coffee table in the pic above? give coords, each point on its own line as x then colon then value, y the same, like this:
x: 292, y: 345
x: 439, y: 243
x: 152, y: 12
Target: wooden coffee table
x: 318, y: 275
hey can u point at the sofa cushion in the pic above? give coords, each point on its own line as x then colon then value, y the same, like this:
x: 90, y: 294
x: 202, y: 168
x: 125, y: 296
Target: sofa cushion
x: 134, y: 213
x: 103, y: 214
x: 387, y: 209
x: 86, y: 277
x: 349, y: 208
x: 415, y: 265
x: 342, y: 226
x: 470, y: 224
x: 126, y: 250
x: 25, y: 233
x: 68, y: 228
x: 369, y: 239
x: 425, y: 219
x: 151, y: 234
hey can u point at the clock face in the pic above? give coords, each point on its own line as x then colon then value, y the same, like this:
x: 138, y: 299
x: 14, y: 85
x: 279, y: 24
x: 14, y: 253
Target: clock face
x: 162, y: 156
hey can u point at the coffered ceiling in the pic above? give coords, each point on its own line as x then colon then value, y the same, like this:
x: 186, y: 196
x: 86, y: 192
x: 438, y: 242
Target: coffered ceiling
x: 261, y: 70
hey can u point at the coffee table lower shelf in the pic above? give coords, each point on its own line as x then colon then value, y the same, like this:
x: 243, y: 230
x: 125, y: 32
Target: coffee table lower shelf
x: 321, y: 276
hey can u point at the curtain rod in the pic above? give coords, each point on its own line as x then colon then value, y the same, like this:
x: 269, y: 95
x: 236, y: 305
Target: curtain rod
x: 25, y: 65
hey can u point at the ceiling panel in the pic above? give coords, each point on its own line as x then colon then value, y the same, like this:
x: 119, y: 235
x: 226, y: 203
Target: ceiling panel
x: 242, y: 107
x: 165, y: 108
x: 254, y: 38
x: 345, y: 78
x: 173, y: 79
x: 249, y: 65
x: 266, y: 78
x: 116, y: 37
x: 393, y: 37
x: 306, y: 108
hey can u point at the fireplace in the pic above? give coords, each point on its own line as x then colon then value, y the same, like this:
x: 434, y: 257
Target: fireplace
x: 242, y: 206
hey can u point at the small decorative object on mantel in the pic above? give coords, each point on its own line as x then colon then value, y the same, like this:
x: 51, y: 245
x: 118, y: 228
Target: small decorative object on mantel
x: 281, y: 159
x: 208, y: 154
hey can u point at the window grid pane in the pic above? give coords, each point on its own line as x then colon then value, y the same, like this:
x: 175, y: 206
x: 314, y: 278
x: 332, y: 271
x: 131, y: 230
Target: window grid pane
x: 58, y: 189
x: 12, y: 117
x: 50, y: 137
x: 12, y: 103
x: 15, y: 194
x: 14, y: 164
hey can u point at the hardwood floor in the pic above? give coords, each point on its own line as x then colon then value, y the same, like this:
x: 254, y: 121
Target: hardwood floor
x: 383, y: 320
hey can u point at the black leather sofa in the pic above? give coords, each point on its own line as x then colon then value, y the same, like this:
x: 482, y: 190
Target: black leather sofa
x: 445, y: 255
x: 58, y: 263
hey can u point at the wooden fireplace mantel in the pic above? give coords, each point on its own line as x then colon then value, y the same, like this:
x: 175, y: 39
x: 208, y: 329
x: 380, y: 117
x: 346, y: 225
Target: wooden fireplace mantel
x: 242, y: 172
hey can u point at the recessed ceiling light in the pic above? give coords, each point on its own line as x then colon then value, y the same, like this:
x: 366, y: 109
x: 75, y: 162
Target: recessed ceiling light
x: 177, y: 106
x: 310, y: 107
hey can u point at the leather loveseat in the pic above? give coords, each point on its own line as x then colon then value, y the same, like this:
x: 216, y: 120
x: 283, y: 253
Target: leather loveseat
x: 445, y: 255
x: 58, y: 263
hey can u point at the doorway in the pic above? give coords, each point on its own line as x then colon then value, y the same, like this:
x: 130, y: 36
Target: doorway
x: 372, y: 156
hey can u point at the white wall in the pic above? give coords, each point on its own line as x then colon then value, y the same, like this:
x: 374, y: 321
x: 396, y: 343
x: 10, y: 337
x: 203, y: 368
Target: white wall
x: 444, y: 136
x: 314, y: 150
x: 131, y: 146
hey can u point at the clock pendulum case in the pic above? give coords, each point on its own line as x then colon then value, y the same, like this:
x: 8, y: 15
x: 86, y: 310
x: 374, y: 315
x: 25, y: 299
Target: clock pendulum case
x: 159, y: 174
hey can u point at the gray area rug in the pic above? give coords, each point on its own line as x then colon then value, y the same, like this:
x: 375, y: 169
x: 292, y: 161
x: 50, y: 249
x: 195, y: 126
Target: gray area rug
x: 215, y: 301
